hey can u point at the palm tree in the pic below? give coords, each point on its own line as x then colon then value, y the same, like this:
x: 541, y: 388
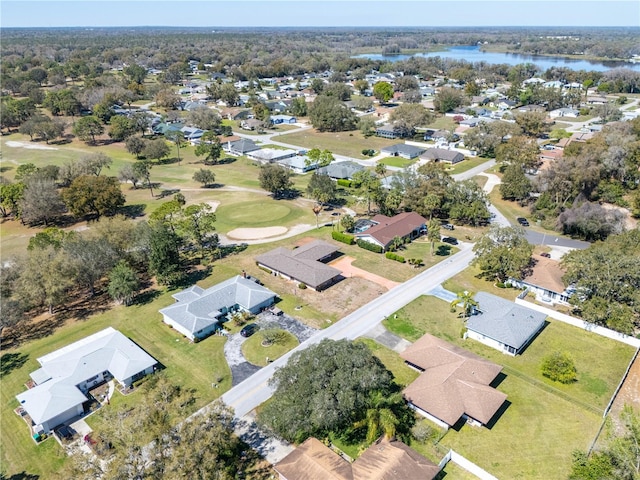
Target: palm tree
x: 317, y: 208
x: 468, y: 303
x: 380, y: 417
x: 433, y: 233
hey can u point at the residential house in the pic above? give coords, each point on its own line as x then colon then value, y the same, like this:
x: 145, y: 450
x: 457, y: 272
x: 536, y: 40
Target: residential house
x: 163, y: 128
x: 240, y: 147
x: 454, y: 385
x: 282, y: 119
x: 505, y: 104
x: 442, y: 155
x: 387, y: 131
x: 503, y: 325
x: 545, y: 281
x: 531, y: 108
x: 192, y: 133
x: 383, y: 460
x: 270, y: 155
x: 235, y: 113
x: 197, y: 312
x: 305, y: 264
x: 551, y: 155
x: 403, y: 150
x: 475, y: 121
x: 251, y: 124
x: 299, y: 164
x: 66, y: 375
x: 406, y: 225
x: 564, y: 112
x: 341, y: 170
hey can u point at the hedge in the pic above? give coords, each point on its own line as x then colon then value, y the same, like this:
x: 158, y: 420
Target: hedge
x: 343, y: 237
x: 369, y: 246
x: 395, y: 257
x: 344, y: 182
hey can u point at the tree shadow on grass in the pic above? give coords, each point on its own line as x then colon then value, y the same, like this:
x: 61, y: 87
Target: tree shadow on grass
x: 133, y: 211
x: 11, y: 361
x: 30, y: 330
x: 20, y: 476
x: 146, y: 297
x: 192, y: 277
x: 167, y: 193
x: 5, y: 169
x: 443, y: 251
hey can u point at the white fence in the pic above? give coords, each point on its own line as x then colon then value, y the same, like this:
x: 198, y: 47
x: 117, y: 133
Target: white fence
x: 466, y: 465
x: 576, y: 322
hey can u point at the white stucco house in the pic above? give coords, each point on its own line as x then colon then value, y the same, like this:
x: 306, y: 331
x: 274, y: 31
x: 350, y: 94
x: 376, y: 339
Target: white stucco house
x: 66, y: 375
x: 197, y: 312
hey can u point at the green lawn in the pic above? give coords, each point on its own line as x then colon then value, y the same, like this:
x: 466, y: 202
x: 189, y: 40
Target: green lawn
x: 350, y: 144
x: 443, y: 123
x: 513, y: 210
x: 468, y: 280
x: 467, y: 164
x: 397, y: 162
x: 256, y: 353
x: 554, y: 418
x: 402, y: 373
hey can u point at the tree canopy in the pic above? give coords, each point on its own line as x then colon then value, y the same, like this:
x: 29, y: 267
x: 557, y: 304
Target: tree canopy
x: 503, y: 252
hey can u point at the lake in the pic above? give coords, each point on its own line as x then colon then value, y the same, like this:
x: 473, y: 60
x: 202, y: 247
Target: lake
x: 474, y: 54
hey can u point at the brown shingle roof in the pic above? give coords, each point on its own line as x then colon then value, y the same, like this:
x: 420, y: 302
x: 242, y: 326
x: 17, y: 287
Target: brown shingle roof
x: 454, y: 382
x: 384, y: 460
x: 546, y: 273
x: 312, y: 460
x: 388, y: 228
x: 302, y: 263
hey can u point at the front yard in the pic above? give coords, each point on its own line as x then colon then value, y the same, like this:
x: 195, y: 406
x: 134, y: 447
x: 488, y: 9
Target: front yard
x: 349, y: 144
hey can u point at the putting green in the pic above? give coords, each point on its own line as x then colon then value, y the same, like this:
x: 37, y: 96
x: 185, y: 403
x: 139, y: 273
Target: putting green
x: 252, y: 213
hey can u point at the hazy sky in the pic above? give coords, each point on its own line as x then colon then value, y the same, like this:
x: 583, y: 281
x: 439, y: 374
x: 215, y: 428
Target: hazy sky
x: 239, y: 13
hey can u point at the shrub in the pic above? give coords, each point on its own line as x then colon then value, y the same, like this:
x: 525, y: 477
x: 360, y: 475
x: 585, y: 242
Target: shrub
x: 422, y: 431
x: 559, y: 367
x: 302, y: 286
x: 372, y: 247
x: 415, y: 262
x: 395, y: 257
x: 274, y: 336
x: 343, y: 237
x: 463, y: 332
x: 265, y: 269
x: 343, y: 182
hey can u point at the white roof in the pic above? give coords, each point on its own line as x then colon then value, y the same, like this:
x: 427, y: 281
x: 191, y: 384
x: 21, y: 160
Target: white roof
x: 106, y: 350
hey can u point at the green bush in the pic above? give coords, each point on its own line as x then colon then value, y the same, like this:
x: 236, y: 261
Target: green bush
x: 343, y: 182
x: 559, y: 367
x: 372, y: 247
x: 343, y: 237
x: 265, y: 269
x: 302, y: 286
x: 395, y: 257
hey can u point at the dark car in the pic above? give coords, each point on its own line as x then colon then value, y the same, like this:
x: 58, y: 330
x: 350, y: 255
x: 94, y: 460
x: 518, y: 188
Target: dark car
x: 545, y: 254
x: 450, y: 240
x: 249, y: 330
x: 523, y: 221
x: 448, y: 226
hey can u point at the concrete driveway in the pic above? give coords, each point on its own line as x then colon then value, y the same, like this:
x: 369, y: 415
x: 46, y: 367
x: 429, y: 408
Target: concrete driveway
x: 344, y: 265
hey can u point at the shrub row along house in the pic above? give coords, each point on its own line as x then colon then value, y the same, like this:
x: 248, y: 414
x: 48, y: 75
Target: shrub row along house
x: 304, y: 264
x: 66, y: 376
x: 197, y: 313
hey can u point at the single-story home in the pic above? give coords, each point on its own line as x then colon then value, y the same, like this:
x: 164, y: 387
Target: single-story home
x: 341, y: 170
x: 442, y: 155
x: 298, y: 164
x: 235, y: 113
x: 545, y: 281
x: 503, y: 325
x: 387, y: 131
x: 240, y: 147
x: 407, y: 225
x: 383, y: 460
x: 270, y: 155
x: 564, y: 112
x: 192, y: 133
x: 66, y: 376
x: 304, y: 264
x: 251, y: 124
x: 454, y: 384
x: 282, y: 119
x: 402, y: 150
x: 197, y: 313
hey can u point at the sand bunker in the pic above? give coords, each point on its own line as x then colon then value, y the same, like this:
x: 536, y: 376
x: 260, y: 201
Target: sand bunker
x: 256, y: 233
x: 29, y: 146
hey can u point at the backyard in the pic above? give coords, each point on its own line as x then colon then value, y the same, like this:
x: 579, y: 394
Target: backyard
x: 555, y: 418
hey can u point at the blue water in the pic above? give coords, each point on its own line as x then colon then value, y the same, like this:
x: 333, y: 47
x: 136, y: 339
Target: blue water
x: 474, y: 54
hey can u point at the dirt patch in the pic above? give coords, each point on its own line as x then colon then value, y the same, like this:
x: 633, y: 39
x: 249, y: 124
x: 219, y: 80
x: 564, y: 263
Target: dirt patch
x: 256, y: 233
x: 344, y: 265
x: 28, y: 146
x: 304, y: 241
x: 629, y: 394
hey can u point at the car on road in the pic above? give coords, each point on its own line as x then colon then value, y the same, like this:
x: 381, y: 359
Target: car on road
x: 249, y: 330
x: 448, y: 226
x: 545, y: 254
x: 523, y: 221
x: 450, y: 240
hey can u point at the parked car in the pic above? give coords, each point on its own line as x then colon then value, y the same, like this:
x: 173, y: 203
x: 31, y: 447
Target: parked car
x: 249, y: 330
x: 448, y: 226
x: 523, y: 221
x: 545, y: 254
x: 450, y: 240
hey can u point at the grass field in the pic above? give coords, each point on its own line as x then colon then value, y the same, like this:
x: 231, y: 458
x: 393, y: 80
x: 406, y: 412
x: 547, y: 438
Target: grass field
x: 554, y: 419
x: 256, y: 353
x: 397, y: 162
x: 350, y: 144
x: 467, y: 164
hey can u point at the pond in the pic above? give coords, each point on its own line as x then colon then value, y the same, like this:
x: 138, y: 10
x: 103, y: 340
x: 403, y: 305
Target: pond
x: 474, y: 54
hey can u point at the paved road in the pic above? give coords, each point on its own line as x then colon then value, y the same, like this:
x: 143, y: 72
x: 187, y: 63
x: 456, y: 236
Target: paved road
x: 472, y: 172
x: 252, y: 392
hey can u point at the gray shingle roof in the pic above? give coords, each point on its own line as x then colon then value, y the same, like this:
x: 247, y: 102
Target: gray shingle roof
x: 403, y: 149
x: 504, y: 321
x: 106, y: 350
x: 341, y: 169
x: 197, y: 309
x: 441, y: 154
